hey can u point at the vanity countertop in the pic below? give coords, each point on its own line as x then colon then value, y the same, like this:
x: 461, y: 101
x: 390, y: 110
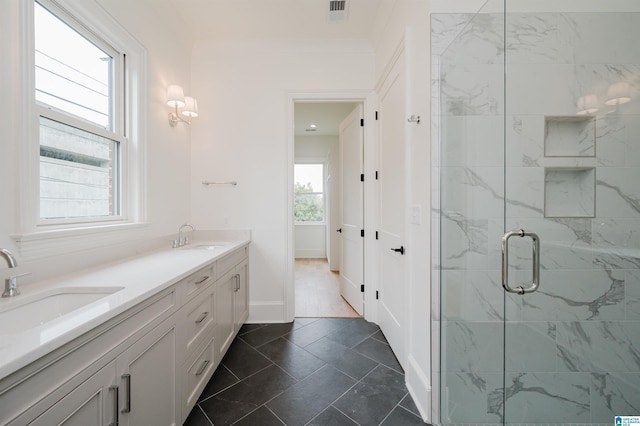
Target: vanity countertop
x: 139, y: 278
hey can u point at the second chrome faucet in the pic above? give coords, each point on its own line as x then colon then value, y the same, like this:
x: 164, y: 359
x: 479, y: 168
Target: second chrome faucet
x: 182, y: 240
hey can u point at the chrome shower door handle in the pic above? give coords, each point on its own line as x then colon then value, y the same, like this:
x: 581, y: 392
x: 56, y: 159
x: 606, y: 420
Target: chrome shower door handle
x: 535, y: 282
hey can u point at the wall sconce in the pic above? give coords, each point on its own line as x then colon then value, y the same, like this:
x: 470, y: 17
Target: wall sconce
x: 176, y: 99
x: 618, y: 94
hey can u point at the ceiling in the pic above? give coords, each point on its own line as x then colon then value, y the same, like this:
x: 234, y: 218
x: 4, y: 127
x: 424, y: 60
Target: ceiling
x: 327, y: 116
x: 287, y: 19
x: 250, y: 19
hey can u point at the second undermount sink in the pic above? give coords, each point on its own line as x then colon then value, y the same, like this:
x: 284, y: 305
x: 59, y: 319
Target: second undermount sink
x: 38, y: 309
x: 206, y: 246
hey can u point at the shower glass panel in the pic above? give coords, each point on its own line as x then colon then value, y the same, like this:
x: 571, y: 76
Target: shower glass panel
x: 469, y: 116
x: 572, y: 155
x: 538, y: 121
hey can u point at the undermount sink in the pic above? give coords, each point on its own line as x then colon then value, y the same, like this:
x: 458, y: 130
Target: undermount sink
x: 41, y: 308
x: 206, y: 246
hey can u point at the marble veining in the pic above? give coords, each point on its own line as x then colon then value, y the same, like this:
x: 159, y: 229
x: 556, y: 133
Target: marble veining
x: 572, y: 354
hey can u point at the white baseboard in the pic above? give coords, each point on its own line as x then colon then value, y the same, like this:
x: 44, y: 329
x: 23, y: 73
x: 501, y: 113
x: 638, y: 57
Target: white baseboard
x: 266, y: 312
x: 311, y: 254
x: 419, y: 387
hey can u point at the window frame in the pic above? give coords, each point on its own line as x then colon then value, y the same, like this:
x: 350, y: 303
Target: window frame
x: 323, y: 162
x: 34, y: 234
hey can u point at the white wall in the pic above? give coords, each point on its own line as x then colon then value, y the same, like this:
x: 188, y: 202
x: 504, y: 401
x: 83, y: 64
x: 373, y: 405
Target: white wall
x: 409, y: 24
x: 242, y: 135
x: 167, y: 148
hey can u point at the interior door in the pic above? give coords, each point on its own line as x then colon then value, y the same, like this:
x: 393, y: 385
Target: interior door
x: 352, y: 226
x: 392, y: 293
x: 571, y: 269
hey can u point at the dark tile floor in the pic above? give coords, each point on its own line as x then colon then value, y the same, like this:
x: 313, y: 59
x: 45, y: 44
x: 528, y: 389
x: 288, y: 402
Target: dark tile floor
x: 313, y: 371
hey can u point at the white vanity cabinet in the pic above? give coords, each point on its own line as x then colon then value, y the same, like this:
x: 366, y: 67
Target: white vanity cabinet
x: 137, y: 388
x: 146, y: 366
x: 232, y: 298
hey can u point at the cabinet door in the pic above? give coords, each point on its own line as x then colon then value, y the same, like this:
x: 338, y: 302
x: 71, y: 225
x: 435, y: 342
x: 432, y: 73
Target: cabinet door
x: 240, y: 297
x: 225, y: 290
x: 93, y: 403
x: 147, y: 379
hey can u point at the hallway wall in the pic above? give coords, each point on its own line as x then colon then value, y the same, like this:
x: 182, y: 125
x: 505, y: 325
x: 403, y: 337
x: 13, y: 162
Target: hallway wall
x: 244, y: 87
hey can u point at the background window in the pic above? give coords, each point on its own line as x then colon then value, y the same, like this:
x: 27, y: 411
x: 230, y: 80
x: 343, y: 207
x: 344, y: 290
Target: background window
x: 78, y: 137
x: 308, y: 194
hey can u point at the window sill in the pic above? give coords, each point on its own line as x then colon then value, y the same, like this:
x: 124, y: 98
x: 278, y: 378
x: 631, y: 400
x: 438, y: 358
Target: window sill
x: 42, y: 244
x: 310, y: 223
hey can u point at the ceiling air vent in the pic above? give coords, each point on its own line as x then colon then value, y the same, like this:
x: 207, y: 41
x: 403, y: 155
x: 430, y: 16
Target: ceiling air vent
x: 337, y: 10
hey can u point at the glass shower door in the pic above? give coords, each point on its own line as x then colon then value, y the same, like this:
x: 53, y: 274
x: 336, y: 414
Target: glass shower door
x: 571, y: 177
x: 537, y: 115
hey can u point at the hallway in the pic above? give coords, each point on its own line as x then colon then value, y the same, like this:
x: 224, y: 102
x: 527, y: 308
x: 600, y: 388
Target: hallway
x: 329, y: 371
x: 318, y: 291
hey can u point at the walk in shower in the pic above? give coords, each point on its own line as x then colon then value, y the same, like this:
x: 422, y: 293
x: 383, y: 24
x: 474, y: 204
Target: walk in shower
x: 536, y: 130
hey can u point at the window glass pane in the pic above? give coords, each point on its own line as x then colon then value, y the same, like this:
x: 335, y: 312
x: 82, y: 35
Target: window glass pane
x: 308, y: 207
x: 308, y: 193
x: 77, y: 176
x: 309, y: 176
x: 72, y: 74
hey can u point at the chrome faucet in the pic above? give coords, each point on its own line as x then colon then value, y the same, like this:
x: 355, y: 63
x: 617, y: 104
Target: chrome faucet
x: 183, y: 241
x: 8, y: 256
x: 11, y: 283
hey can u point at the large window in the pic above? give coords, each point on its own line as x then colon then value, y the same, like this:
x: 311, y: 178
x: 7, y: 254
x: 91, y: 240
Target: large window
x: 80, y: 103
x: 308, y: 193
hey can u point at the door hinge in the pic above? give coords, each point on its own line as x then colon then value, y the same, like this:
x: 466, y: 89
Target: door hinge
x: 376, y: 175
x: 376, y: 235
x: 376, y: 115
x: 362, y: 288
x: 362, y: 233
x: 377, y: 295
x: 362, y: 122
x: 362, y: 177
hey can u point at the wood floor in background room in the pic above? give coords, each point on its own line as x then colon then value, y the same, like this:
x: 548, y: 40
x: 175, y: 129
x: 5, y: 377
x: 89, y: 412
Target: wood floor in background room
x: 318, y: 291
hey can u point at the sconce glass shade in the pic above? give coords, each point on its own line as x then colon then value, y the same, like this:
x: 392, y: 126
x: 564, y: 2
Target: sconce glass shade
x: 618, y: 94
x: 587, y: 104
x: 191, y: 107
x: 175, y: 96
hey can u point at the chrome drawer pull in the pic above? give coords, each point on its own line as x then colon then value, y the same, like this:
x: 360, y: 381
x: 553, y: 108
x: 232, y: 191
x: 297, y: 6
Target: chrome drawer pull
x: 127, y: 407
x: 203, y: 366
x: 116, y: 414
x: 202, y: 317
x: 203, y: 279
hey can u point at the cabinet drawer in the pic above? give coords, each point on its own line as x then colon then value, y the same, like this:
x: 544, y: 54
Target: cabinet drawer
x: 196, y: 282
x: 200, y: 319
x: 198, y: 374
x: 232, y: 259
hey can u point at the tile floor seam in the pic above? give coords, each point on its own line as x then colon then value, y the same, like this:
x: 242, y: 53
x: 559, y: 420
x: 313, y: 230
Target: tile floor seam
x: 274, y: 414
x: 345, y: 414
x: 375, y: 360
x: 204, y: 413
x: 236, y: 383
x: 393, y: 409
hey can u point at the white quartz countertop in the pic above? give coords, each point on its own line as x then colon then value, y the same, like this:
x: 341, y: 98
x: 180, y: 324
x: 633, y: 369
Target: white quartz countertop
x: 139, y: 277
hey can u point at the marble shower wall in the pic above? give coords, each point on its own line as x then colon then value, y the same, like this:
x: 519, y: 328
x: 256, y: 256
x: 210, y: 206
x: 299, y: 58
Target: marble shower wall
x: 573, y: 177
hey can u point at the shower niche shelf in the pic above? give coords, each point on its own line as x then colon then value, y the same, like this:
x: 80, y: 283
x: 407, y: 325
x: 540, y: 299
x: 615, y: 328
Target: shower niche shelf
x: 569, y: 192
x: 570, y: 136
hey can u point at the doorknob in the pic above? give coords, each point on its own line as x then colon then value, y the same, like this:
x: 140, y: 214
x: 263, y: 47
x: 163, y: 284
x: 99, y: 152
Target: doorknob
x: 399, y: 250
x: 535, y: 282
x: 339, y: 230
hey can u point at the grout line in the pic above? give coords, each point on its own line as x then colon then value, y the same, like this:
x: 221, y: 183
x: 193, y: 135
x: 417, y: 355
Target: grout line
x: 345, y: 414
x: 276, y: 416
x: 205, y: 414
